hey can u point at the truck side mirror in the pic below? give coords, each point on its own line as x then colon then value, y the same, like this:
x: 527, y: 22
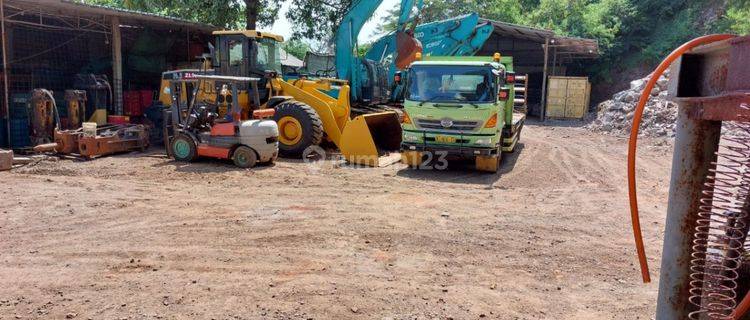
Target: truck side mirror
x: 397, y: 77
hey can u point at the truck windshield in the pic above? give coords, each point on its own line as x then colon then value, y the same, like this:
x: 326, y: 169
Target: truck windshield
x: 451, y: 84
x: 267, y: 54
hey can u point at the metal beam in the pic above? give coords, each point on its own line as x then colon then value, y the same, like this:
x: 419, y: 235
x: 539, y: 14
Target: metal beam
x: 6, y: 94
x: 116, y: 66
x: 543, y: 109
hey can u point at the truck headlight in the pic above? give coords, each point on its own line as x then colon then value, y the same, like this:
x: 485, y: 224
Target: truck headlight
x: 483, y: 141
x: 411, y: 138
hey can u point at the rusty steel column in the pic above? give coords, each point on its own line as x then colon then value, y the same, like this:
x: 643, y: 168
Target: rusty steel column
x: 695, y: 144
x: 710, y: 85
x: 6, y: 86
x: 117, y: 103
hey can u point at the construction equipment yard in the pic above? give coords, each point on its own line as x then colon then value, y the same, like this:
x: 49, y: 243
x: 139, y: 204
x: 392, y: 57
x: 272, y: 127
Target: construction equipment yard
x: 146, y: 237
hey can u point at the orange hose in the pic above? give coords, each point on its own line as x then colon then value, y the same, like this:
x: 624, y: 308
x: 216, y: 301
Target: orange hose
x: 742, y: 308
x: 633, y: 143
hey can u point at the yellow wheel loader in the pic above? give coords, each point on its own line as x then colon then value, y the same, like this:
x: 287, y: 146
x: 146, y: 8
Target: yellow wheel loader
x: 306, y: 116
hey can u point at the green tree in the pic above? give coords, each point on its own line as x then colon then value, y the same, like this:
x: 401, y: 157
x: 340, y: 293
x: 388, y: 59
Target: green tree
x: 316, y: 19
x: 227, y: 14
x: 296, y: 47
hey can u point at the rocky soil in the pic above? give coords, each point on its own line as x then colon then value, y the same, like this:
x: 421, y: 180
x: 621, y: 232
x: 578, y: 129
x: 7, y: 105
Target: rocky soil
x: 615, y: 116
x: 143, y: 237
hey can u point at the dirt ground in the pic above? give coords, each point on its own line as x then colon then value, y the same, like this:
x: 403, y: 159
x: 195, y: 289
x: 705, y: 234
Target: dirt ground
x: 143, y: 237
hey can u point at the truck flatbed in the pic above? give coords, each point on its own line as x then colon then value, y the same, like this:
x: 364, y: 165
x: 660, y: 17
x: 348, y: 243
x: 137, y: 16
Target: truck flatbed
x: 512, y: 132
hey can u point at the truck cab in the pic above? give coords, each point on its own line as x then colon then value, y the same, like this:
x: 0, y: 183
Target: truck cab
x: 460, y: 108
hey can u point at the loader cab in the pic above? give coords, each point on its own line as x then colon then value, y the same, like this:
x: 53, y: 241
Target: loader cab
x: 248, y: 53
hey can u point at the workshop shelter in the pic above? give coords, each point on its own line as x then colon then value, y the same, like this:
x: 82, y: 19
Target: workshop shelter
x: 540, y: 54
x: 60, y: 45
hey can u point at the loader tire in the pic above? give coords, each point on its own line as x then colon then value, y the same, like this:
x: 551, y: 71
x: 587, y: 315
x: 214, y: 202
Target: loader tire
x: 299, y: 128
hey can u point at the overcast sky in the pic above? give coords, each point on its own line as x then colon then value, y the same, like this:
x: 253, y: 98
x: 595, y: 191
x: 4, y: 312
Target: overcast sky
x: 284, y: 27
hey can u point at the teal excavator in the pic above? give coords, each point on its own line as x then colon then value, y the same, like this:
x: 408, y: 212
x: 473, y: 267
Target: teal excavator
x: 368, y: 78
x: 371, y: 76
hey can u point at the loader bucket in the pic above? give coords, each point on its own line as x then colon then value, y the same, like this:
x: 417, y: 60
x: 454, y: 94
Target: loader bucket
x: 368, y: 139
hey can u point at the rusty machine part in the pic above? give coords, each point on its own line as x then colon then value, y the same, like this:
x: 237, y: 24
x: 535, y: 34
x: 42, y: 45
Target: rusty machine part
x: 721, y: 230
x: 76, y: 100
x: 44, y: 116
x: 67, y: 140
x: 109, y: 139
x: 709, y: 195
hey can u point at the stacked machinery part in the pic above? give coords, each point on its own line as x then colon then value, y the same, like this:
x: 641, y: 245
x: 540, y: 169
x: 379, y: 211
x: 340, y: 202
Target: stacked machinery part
x: 44, y: 117
x: 109, y: 139
x: 76, y: 101
x: 98, y: 92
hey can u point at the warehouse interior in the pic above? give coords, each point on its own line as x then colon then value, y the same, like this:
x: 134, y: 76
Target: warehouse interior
x: 61, y: 45
x: 539, y: 53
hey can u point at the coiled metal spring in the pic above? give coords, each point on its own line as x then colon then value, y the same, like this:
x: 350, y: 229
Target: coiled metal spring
x: 721, y: 230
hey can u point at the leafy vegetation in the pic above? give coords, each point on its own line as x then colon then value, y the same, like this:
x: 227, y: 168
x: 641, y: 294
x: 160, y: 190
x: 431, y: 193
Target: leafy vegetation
x: 228, y: 14
x: 297, y: 48
x: 630, y: 32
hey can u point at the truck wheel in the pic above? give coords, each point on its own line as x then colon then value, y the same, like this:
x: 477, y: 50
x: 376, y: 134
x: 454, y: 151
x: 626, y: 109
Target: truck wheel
x: 244, y: 157
x: 183, y: 148
x: 299, y: 127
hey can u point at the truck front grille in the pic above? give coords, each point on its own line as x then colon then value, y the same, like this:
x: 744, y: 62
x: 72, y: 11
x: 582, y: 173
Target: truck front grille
x: 431, y: 124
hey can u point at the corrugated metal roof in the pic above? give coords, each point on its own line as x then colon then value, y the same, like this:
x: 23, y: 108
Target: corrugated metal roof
x: 573, y: 45
x: 80, y: 8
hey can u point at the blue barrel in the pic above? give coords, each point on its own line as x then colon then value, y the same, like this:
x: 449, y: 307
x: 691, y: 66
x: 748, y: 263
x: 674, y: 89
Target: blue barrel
x: 19, y: 105
x: 20, y: 133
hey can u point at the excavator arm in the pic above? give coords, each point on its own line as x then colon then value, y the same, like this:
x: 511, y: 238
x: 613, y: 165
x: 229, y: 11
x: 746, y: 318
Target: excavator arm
x: 361, y: 73
x: 460, y: 36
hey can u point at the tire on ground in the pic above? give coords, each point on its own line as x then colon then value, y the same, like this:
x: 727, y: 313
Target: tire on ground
x: 312, y: 127
x: 244, y: 157
x: 183, y: 148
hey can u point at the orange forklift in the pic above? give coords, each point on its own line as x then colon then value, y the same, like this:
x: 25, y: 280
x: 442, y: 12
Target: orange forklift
x: 196, y: 129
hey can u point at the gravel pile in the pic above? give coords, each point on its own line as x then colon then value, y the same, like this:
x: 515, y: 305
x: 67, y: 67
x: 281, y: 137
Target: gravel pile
x: 615, y: 116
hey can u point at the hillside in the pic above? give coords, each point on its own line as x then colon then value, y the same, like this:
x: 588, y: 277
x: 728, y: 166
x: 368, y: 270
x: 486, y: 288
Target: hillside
x: 633, y: 34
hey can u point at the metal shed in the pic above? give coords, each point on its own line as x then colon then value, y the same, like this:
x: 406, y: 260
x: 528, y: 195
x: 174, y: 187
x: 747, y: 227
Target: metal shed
x: 539, y: 53
x: 46, y: 43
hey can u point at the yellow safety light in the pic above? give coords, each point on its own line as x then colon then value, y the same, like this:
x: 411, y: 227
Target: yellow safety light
x: 418, y: 55
x: 406, y: 119
x: 496, y: 57
x: 492, y: 121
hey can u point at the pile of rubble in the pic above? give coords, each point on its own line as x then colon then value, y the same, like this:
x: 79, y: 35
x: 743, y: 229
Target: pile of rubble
x: 659, y: 117
x: 615, y: 116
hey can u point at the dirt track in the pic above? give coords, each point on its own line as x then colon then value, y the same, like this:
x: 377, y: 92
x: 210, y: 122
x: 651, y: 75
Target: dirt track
x: 134, y: 237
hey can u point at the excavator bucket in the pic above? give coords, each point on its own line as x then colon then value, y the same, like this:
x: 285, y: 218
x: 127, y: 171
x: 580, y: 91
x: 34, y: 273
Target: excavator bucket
x: 370, y: 139
x: 408, y: 46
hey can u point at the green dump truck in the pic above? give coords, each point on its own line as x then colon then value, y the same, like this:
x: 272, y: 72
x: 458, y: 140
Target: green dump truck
x: 459, y: 108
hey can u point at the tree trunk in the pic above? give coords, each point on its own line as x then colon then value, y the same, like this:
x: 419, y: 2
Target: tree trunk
x: 251, y: 14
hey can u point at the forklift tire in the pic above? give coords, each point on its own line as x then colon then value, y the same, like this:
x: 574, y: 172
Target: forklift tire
x: 299, y: 128
x: 183, y: 148
x: 244, y: 157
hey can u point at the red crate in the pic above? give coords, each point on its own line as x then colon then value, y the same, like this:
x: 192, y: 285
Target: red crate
x: 147, y: 97
x: 131, y: 103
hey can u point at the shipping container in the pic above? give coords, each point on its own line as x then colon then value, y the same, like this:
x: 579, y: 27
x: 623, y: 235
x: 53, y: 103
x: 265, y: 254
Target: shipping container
x: 568, y: 97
